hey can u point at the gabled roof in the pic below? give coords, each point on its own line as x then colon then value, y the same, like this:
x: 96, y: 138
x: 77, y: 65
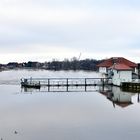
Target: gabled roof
x: 123, y: 104
x: 109, y: 62
x: 120, y: 67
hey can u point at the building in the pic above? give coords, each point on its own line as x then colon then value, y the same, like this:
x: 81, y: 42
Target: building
x: 103, y: 67
x: 120, y: 73
x: 119, y: 69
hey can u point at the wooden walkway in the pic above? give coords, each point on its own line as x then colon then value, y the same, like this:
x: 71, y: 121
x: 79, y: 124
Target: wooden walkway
x: 131, y: 86
x: 64, y: 82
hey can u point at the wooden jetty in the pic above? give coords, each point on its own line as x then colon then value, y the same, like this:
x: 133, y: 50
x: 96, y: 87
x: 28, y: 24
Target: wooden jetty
x: 64, y: 82
x: 131, y: 86
x: 30, y: 83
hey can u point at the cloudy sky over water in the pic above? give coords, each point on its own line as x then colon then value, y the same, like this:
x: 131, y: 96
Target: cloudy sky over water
x: 40, y: 30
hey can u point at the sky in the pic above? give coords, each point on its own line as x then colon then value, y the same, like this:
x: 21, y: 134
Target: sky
x: 42, y: 30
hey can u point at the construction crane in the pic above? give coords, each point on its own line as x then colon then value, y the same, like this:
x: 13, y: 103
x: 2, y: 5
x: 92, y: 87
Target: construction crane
x: 79, y: 56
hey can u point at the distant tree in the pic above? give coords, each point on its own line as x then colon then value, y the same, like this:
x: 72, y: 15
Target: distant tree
x: 66, y: 64
x: 12, y: 65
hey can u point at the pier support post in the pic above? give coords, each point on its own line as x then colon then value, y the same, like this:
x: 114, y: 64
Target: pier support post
x: 67, y: 84
x: 85, y: 84
x: 138, y: 97
x: 48, y: 84
x: 103, y: 81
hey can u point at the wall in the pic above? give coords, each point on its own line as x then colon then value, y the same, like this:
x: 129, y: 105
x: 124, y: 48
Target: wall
x: 121, y: 76
x: 102, y: 69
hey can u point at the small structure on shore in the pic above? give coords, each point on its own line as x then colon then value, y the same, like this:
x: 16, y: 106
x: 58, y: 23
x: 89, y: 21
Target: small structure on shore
x: 107, y: 63
x: 119, y: 69
x: 120, y: 73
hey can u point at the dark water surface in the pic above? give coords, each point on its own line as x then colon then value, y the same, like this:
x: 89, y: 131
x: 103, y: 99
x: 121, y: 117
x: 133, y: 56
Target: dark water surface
x: 65, y: 115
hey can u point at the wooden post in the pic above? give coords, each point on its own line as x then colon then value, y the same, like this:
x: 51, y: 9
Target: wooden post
x: 48, y: 84
x: 138, y: 97
x: 67, y: 84
x: 85, y: 84
x: 103, y: 81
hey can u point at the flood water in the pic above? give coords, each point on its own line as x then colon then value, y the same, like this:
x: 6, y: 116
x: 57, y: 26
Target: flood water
x: 100, y: 114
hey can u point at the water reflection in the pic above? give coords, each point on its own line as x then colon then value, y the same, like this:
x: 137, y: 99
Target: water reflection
x: 29, y: 90
x: 117, y: 96
x: 61, y: 89
x: 138, y: 97
x: 112, y: 93
x: 67, y: 116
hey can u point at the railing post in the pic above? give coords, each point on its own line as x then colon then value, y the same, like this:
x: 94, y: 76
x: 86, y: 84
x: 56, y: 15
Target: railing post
x: 102, y: 82
x: 85, y: 84
x: 48, y: 84
x: 67, y: 84
x: 138, y: 97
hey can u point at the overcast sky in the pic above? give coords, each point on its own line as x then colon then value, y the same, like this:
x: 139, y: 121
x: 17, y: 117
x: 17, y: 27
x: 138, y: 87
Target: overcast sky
x: 40, y: 30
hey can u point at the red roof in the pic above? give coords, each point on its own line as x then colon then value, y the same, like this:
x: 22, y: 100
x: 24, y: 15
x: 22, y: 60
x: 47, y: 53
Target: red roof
x: 123, y: 104
x: 120, y: 67
x: 119, y: 60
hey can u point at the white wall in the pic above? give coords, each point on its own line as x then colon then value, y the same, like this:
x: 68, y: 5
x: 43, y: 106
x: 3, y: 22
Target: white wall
x: 121, y: 76
x: 102, y: 69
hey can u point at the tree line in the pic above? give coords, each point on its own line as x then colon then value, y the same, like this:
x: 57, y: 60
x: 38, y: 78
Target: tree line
x: 74, y: 64
x: 66, y: 64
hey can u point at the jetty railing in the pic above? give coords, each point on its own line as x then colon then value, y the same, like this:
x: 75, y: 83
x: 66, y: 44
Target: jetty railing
x: 64, y: 82
x: 133, y: 86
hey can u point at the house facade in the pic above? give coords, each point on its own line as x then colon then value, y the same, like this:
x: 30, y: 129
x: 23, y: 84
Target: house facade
x: 120, y: 73
x: 119, y: 69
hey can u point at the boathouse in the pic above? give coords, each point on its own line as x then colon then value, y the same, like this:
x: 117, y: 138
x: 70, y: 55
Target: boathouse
x: 120, y: 73
x: 103, y: 66
x: 119, y: 69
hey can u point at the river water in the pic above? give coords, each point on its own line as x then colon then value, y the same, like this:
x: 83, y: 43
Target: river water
x: 93, y: 115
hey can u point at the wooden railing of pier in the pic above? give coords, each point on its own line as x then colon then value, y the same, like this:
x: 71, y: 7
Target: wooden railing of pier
x: 64, y: 82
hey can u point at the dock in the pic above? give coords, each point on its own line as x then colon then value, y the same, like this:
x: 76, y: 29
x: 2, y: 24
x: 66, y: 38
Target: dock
x: 131, y: 86
x: 64, y: 82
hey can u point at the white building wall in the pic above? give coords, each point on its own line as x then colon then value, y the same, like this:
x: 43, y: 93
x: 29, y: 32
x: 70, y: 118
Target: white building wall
x: 121, y: 76
x: 102, y: 69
